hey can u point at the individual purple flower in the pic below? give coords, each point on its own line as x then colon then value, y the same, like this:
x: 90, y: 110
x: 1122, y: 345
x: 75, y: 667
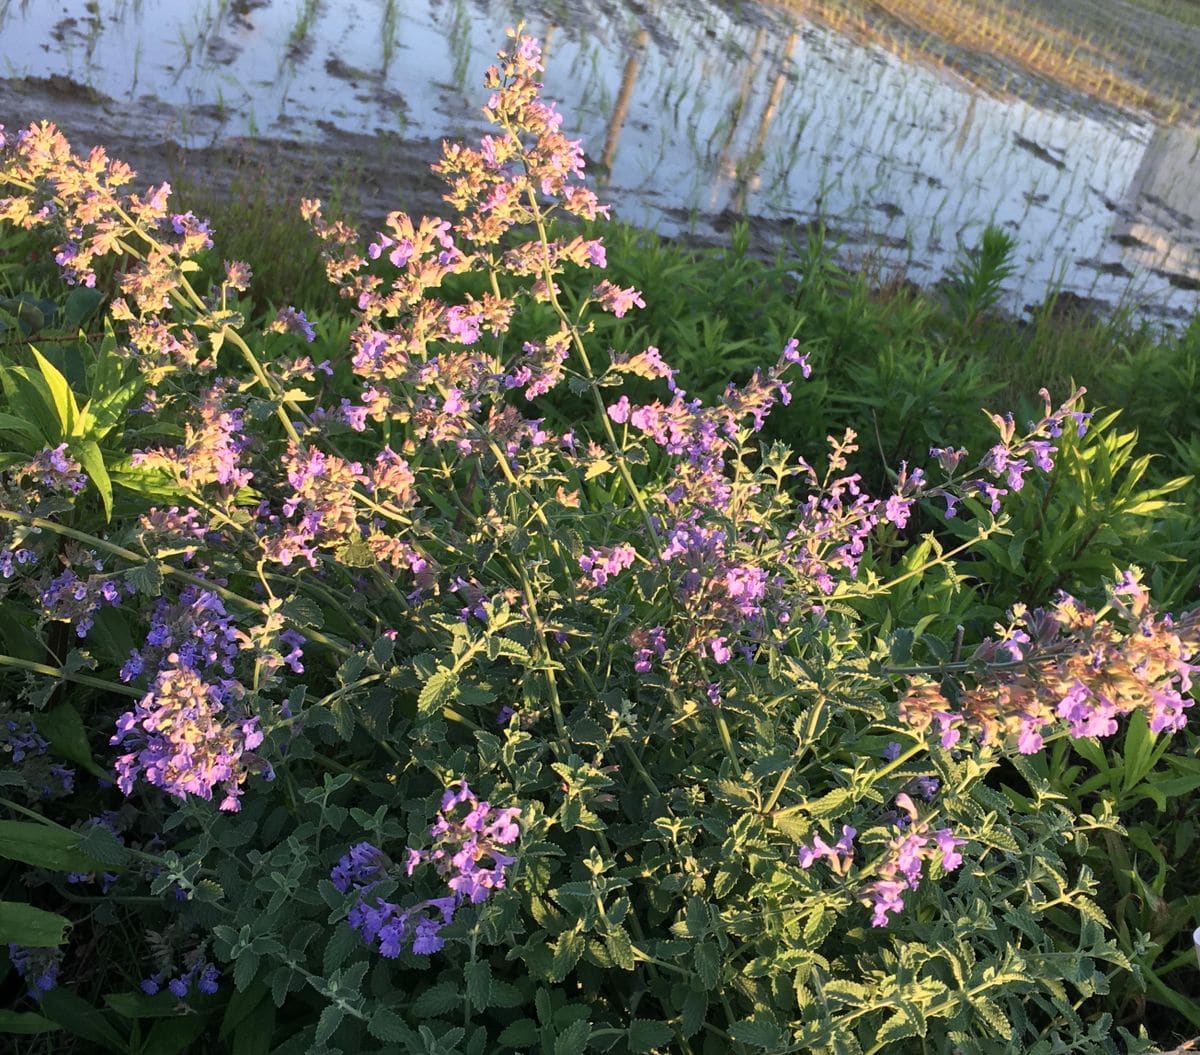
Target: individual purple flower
x: 926, y: 787
x: 464, y: 324
x: 948, y: 844
x: 947, y: 457
x: 792, y: 354
x: 292, y: 320
x: 897, y: 510
x: 721, y: 653
x: 361, y: 868
x: 617, y: 300
x: 605, y: 562
x: 840, y: 856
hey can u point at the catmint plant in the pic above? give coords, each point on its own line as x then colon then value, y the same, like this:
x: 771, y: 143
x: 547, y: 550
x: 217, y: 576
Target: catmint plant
x: 467, y: 686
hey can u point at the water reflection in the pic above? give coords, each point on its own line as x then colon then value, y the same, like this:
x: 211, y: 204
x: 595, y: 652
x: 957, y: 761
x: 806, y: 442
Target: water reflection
x: 699, y: 113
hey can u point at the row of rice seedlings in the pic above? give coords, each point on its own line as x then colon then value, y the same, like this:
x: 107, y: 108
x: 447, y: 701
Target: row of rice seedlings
x: 1082, y: 63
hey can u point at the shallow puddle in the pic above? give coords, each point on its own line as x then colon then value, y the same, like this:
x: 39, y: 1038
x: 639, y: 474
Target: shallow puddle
x: 693, y: 112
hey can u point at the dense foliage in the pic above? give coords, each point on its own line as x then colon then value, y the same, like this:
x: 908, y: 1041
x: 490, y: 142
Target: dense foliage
x: 435, y: 674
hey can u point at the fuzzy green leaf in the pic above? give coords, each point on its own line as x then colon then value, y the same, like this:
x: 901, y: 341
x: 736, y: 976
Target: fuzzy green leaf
x: 645, y: 1035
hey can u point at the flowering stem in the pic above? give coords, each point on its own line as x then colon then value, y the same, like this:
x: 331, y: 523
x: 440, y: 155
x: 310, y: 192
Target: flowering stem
x: 63, y: 675
x: 252, y: 361
x: 177, y: 573
x: 589, y: 373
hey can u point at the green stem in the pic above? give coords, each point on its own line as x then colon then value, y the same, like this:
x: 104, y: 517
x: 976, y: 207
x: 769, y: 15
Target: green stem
x: 63, y: 675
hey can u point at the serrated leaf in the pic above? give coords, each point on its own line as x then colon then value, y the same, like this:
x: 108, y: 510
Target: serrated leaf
x: 479, y: 983
x: 818, y: 926
x: 146, y: 578
x: 437, y: 1000
x: 898, y: 1026
x: 620, y: 948
x: 387, y: 1026
x: 996, y: 1020
x: 437, y: 691
x: 245, y: 969
x: 695, y: 1011
x: 573, y: 1040
x: 567, y: 951
x: 845, y: 991
x: 342, y: 942
x: 645, y: 1035
x: 758, y: 1033
x: 708, y: 964
x: 520, y: 1034
x: 328, y: 1023
x: 505, y: 994
x: 831, y: 804
x: 303, y: 612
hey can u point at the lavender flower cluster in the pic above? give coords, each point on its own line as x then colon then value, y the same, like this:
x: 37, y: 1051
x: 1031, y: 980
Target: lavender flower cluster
x: 466, y: 839
x: 187, y: 734
x: 899, y: 870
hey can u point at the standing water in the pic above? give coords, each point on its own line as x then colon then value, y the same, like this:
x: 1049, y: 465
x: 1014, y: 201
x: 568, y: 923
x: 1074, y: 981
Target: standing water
x: 694, y: 115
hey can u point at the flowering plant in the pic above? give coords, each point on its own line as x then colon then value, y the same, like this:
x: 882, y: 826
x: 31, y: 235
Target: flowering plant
x: 320, y: 588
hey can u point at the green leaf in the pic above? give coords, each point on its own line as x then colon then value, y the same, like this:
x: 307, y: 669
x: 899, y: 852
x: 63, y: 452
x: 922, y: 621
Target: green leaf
x: 567, y: 951
x: 62, y: 400
x: 25, y: 1022
x: 387, y: 1026
x: 174, y: 1035
x: 437, y: 1000
x: 900, y: 1025
x: 81, y: 303
x: 520, y: 1034
x: 757, y: 1032
x: 573, y: 1040
x: 43, y: 847
x: 25, y: 925
x: 64, y: 729
x: 12, y: 423
x: 240, y: 1005
x: 328, y: 1023
x: 645, y: 1035
x: 479, y: 984
x: 832, y: 804
x: 146, y: 578
x: 92, y: 460
x: 708, y: 964
x: 437, y: 691
x: 255, y: 1035
x: 695, y: 1011
x: 79, y: 1017
x: 620, y: 948
x: 139, y: 1005
x: 245, y: 969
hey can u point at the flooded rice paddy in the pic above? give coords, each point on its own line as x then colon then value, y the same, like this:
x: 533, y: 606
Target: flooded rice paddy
x: 694, y: 114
